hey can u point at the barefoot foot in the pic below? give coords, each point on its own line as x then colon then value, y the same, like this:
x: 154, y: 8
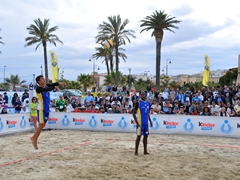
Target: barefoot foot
x: 34, y: 143
x: 146, y: 153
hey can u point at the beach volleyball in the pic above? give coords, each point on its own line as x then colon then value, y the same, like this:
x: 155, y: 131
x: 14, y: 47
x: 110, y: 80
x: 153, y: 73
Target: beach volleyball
x: 108, y: 44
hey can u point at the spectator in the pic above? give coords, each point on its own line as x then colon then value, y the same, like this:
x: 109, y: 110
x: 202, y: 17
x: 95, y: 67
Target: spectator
x: 195, y: 112
x: 233, y: 113
x: 237, y: 108
x: 88, y: 98
x: 5, y: 98
x: 110, y: 111
x: 124, y: 111
x: 117, y: 111
x: 15, y: 95
x: 169, y: 111
x: 223, y: 112
x: 76, y: 110
x: 33, y: 111
x: 4, y: 111
x: 52, y: 103
x: 17, y: 105
x: 25, y: 95
x: 61, y: 104
x: 98, y: 99
x: 97, y: 110
x: 206, y: 112
x: 24, y: 109
x: 215, y: 109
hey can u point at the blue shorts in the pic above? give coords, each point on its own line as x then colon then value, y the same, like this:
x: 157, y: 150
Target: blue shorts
x: 143, y: 130
x: 42, y: 116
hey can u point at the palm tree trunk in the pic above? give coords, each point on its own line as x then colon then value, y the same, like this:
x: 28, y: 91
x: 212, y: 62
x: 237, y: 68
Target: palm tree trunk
x: 111, y: 62
x: 158, y: 63
x: 117, y: 66
x: 107, y: 65
x: 45, y: 61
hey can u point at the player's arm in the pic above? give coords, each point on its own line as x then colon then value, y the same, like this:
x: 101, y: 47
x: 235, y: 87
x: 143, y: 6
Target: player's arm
x: 134, y: 114
x: 149, y: 118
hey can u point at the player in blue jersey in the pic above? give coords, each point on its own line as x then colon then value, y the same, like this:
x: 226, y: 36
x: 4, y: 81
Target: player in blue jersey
x: 142, y: 110
x: 43, y: 104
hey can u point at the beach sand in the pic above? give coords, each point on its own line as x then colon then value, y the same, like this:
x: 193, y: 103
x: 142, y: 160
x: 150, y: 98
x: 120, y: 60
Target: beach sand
x: 72, y: 154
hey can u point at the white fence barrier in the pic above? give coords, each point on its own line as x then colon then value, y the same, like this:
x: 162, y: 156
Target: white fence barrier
x: 165, y: 124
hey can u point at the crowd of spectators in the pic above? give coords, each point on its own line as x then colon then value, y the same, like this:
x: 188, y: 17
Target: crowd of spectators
x: 224, y: 101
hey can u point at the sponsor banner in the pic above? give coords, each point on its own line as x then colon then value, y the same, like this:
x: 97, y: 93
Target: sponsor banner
x: 165, y: 124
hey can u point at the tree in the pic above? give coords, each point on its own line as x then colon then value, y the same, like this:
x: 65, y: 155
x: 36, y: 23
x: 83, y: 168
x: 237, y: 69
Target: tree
x: 115, y: 30
x: 111, y: 79
x: 85, y: 80
x: 14, y: 80
x: 41, y: 34
x: 102, y: 52
x: 229, y: 77
x: 158, y: 22
x: 1, y: 41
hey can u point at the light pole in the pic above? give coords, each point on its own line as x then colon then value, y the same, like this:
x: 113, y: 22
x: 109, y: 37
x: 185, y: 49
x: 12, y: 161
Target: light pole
x: 94, y: 69
x: 168, y: 61
x: 4, y: 74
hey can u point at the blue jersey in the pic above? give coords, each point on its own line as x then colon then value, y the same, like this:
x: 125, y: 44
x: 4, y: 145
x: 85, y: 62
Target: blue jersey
x: 44, y: 96
x: 143, y: 112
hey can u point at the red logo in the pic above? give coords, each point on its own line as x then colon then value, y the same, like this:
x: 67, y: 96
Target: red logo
x: 53, y: 119
x: 11, y: 122
x: 78, y: 120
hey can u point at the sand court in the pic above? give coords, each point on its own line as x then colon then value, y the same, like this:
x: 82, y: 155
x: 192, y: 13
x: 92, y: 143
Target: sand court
x: 72, y: 154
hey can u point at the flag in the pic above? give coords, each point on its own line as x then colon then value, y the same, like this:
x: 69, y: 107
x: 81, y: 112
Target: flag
x: 54, y: 66
x: 206, y: 72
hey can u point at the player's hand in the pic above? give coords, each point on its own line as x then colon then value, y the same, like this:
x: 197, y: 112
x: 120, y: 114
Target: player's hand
x: 62, y: 84
x: 151, y: 124
x: 56, y: 88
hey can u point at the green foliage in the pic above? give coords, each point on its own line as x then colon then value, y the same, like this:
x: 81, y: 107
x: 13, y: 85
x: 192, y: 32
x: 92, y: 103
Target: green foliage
x: 229, y: 77
x: 85, y: 80
x: 141, y: 84
x: 111, y: 79
x: 14, y: 80
x: 71, y: 84
x: 40, y: 35
x: 115, y: 29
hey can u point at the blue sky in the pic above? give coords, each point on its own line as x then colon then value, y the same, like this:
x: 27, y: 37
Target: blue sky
x: 207, y: 27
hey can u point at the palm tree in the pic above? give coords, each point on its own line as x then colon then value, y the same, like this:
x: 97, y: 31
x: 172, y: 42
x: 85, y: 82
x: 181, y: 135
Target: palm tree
x: 115, y: 30
x: 85, y: 80
x: 14, y: 80
x: 41, y: 34
x: 111, y: 78
x: 158, y: 22
x: 1, y: 41
x: 102, y: 52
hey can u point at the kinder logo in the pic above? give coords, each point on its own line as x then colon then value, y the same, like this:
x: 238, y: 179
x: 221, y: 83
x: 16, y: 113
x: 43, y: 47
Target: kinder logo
x: 52, y: 120
x: 122, y: 124
x: 188, y: 126
x: 65, y: 121
x: 93, y: 122
x: 155, y: 124
x: 206, y: 126
x: 78, y: 121
x: 23, y: 123
x: 107, y: 122
x: 11, y: 123
x: 31, y: 122
x: 170, y: 125
x: 226, y: 128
